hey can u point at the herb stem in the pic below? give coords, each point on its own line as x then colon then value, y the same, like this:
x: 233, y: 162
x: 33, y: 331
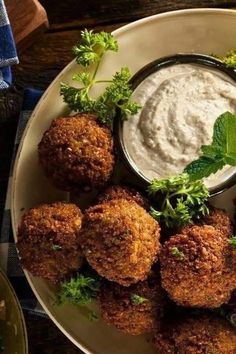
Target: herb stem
x: 102, y: 81
x: 97, y: 67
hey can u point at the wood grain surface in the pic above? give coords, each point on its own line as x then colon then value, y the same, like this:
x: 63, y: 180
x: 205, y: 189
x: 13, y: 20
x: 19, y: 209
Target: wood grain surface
x: 39, y: 64
x: 28, y: 19
x: 92, y: 12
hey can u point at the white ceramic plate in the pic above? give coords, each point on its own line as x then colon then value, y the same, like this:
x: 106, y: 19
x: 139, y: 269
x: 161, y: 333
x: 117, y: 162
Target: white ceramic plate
x: 200, y: 30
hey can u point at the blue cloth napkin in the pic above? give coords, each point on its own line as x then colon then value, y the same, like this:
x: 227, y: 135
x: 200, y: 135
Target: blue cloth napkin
x: 8, y: 54
x: 8, y: 255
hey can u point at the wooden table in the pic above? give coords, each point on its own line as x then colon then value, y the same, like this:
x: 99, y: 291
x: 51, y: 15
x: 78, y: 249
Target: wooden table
x: 39, y: 64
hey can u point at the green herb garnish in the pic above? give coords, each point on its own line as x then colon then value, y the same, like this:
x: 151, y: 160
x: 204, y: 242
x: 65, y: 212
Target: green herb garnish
x: 56, y: 247
x: 180, y: 200
x: 232, y: 241
x: 90, y: 51
x: 78, y: 291
x: 177, y: 253
x: 229, y: 59
x: 137, y: 299
x: 93, y: 316
x: 221, y: 152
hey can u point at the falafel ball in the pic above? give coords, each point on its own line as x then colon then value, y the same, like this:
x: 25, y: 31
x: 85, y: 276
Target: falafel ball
x: 77, y: 152
x: 196, y: 269
x: 123, y: 192
x: 136, y: 309
x: 199, y: 334
x: 220, y: 220
x: 120, y: 240
x: 48, y: 240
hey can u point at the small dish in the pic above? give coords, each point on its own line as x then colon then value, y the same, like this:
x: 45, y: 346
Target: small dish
x: 12, y: 328
x: 229, y: 177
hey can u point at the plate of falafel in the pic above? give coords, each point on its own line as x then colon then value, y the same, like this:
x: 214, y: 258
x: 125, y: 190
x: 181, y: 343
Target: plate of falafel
x: 119, y: 265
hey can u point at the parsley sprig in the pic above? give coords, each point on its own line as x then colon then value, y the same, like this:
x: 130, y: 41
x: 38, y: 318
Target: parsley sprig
x: 138, y: 299
x: 80, y: 290
x: 221, y: 152
x: 117, y: 95
x: 232, y: 241
x: 229, y: 59
x: 179, y: 200
x: 177, y: 253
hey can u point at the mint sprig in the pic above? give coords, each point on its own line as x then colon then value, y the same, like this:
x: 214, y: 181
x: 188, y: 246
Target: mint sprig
x: 221, y: 152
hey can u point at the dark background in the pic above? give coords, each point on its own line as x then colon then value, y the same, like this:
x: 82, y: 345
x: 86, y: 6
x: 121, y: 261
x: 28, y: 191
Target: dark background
x: 39, y: 64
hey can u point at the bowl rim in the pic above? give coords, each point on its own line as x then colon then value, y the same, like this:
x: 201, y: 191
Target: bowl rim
x: 7, y: 283
x: 152, y: 67
x: 143, y: 21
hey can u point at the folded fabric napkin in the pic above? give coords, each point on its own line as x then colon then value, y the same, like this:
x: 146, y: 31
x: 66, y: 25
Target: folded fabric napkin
x: 9, y: 261
x: 8, y: 54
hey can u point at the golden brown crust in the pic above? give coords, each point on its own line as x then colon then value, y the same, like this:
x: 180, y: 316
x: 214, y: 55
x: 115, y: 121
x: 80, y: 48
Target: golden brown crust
x: 48, y: 240
x: 202, y: 334
x: 220, y: 220
x: 204, y: 276
x: 120, y: 240
x: 77, y: 152
x: 118, y: 308
x: 123, y: 192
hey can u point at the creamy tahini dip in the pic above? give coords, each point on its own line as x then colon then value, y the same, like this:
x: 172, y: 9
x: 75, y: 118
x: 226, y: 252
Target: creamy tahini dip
x: 180, y: 104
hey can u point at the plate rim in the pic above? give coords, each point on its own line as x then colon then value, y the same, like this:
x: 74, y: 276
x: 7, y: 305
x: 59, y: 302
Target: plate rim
x: 116, y: 32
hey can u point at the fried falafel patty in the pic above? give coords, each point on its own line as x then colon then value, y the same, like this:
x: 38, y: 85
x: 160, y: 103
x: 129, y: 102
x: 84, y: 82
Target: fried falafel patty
x: 196, y: 269
x: 123, y: 192
x: 220, y: 220
x: 202, y: 334
x: 48, y: 240
x: 217, y: 218
x: 136, y: 309
x: 120, y: 240
x: 77, y: 152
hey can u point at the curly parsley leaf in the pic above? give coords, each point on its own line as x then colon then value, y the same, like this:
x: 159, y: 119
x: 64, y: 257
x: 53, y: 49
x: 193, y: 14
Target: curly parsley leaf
x: 230, y: 59
x: 179, y: 200
x: 80, y: 290
x: 116, y: 96
x: 56, y: 247
x: 220, y: 152
x: 77, y: 98
x: 83, y: 78
x: 177, y: 253
x: 137, y: 299
x: 232, y: 241
x: 92, y: 47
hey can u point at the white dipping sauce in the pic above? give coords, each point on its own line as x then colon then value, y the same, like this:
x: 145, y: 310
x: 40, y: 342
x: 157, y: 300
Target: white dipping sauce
x: 180, y: 104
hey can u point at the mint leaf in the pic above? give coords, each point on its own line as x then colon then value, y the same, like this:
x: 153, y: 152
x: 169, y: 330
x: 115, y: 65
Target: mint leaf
x: 230, y: 160
x: 211, y: 151
x: 220, y: 152
x: 203, y: 167
x: 219, y: 132
x: 224, y: 133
